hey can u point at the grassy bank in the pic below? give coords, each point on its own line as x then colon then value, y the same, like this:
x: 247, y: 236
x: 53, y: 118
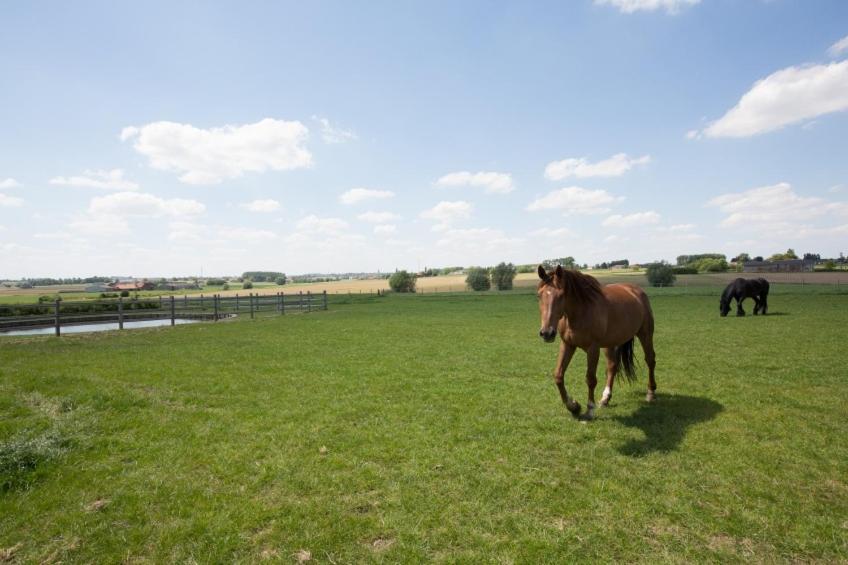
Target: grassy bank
x: 411, y: 428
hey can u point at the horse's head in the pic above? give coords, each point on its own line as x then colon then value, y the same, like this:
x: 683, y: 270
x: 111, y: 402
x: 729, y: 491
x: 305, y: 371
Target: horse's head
x: 551, y: 293
x: 724, y: 307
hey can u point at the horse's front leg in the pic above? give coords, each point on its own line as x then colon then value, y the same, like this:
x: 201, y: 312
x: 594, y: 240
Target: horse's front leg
x: 593, y: 353
x: 566, y: 352
x: 757, y: 305
x: 739, y: 310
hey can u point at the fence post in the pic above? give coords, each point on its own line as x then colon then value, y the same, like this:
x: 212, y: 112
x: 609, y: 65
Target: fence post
x: 120, y: 313
x: 58, y: 324
x: 160, y: 301
x: 300, y: 300
x: 282, y: 304
x: 251, y: 305
x: 173, y: 317
x: 309, y: 301
x: 215, y: 305
x: 185, y: 301
x: 201, y: 303
x: 237, y: 304
x: 325, y: 300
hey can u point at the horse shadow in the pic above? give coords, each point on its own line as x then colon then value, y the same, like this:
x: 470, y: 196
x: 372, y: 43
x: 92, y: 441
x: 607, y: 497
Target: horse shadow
x: 665, y: 423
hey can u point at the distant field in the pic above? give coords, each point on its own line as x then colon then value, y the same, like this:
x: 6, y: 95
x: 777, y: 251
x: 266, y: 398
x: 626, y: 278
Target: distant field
x: 427, y: 428
x: 426, y: 285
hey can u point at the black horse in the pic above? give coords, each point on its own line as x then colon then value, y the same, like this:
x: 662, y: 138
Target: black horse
x: 740, y: 289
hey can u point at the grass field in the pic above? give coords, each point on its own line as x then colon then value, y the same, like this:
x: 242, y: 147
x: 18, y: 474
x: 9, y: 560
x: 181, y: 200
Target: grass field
x: 427, y: 428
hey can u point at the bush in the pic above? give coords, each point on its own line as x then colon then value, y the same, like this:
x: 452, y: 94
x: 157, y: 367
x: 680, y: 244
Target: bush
x: 280, y: 280
x: 125, y: 293
x: 225, y: 286
x: 402, y: 281
x: 215, y: 282
x: 247, y: 285
x: 660, y: 274
x: 478, y: 279
x: 684, y: 270
x: 503, y: 275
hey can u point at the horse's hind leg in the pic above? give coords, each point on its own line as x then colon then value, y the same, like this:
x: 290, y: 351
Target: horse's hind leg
x: 764, y: 304
x: 611, y: 370
x: 646, y: 338
x: 757, y: 305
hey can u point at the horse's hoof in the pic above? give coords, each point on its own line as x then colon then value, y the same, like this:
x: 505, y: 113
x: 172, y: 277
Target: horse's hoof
x: 651, y: 396
x: 574, y: 408
x: 587, y: 417
x: 605, y: 402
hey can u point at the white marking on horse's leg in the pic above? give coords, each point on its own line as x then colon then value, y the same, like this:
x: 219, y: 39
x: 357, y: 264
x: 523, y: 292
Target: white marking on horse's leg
x: 605, y: 398
x: 651, y: 396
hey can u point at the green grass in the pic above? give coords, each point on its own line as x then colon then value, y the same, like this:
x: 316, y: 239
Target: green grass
x: 427, y: 428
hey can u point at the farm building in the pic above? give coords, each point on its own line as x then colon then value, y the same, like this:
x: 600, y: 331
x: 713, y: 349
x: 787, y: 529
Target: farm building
x: 785, y: 266
x: 132, y: 285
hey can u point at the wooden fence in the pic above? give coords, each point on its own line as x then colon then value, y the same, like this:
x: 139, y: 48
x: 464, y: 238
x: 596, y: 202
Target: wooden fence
x: 121, y: 311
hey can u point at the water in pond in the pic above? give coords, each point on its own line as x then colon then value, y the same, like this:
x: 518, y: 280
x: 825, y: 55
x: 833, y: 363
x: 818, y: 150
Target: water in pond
x: 100, y: 327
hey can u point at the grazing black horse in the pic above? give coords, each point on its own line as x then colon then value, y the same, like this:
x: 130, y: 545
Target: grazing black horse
x: 740, y: 289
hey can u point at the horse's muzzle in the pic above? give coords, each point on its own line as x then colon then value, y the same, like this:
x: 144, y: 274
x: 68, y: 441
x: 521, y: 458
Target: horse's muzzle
x: 548, y: 335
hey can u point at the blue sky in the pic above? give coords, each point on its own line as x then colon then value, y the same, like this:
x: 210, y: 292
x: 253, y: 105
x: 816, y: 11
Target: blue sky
x: 161, y: 138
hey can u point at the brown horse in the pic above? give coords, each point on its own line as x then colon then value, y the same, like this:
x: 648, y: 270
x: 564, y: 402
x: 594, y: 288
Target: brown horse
x: 591, y: 316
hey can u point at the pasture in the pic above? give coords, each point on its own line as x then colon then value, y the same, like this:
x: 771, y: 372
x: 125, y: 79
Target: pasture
x: 412, y: 428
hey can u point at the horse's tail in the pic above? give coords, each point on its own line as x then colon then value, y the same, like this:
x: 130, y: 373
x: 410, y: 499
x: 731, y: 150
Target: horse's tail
x: 624, y: 362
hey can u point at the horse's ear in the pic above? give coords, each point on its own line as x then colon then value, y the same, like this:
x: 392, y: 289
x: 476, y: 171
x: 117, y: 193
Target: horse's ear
x: 542, y: 273
x: 558, y: 272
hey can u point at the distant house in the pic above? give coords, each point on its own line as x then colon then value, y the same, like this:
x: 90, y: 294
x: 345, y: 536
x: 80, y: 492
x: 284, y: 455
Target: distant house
x: 132, y: 285
x: 784, y: 266
x: 98, y: 287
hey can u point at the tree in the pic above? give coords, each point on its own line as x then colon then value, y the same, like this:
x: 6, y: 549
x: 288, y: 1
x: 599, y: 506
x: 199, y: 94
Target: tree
x: 741, y: 258
x: 281, y: 280
x: 402, y: 281
x: 478, y: 279
x: 812, y: 257
x: 247, y: 284
x: 567, y: 262
x: 502, y: 276
x: 660, y: 274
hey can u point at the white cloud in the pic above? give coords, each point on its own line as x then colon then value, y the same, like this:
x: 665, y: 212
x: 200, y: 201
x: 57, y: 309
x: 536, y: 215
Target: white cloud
x: 209, y: 156
x: 106, y: 180
x: 142, y: 204
x: 378, y: 217
x: 355, y: 195
x: 182, y: 231
x: 9, y: 183
x: 676, y: 228
x: 314, y: 224
x: 693, y: 134
x: 446, y: 212
x: 499, y: 183
x: 837, y: 188
x: 631, y: 6
x: 575, y: 200
x: 385, y: 229
x: 785, y: 97
x: 101, y: 225
x: 839, y: 47
x: 777, y: 207
x: 631, y: 220
x: 334, y: 134
x: 265, y: 206
x: 615, y: 166
x: 7, y: 201
x: 249, y: 235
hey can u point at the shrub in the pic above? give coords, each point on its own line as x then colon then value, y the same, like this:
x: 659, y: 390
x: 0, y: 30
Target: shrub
x: 478, y: 279
x: 280, y: 280
x: 503, y: 275
x: 125, y: 293
x: 684, y: 270
x: 402, y: 281
x: 215, y: 282
x: 225, y: 286
x: 830, y: 265
x: 247, y: 285
x: 660, y: 274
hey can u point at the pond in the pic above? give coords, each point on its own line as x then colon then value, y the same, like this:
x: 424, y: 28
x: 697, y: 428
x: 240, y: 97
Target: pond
x: 99, y: 327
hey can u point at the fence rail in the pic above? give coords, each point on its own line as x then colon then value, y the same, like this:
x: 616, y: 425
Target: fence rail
x: 59, y: 313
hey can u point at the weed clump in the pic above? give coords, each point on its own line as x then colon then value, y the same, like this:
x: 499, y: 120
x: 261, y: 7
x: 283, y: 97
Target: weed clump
x: 21, y: 457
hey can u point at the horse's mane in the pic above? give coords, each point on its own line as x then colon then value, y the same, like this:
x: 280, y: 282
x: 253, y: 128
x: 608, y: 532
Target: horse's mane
x: 584, y: 288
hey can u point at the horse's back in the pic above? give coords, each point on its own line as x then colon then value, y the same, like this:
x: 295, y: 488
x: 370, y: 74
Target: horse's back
x: 629, y: 303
